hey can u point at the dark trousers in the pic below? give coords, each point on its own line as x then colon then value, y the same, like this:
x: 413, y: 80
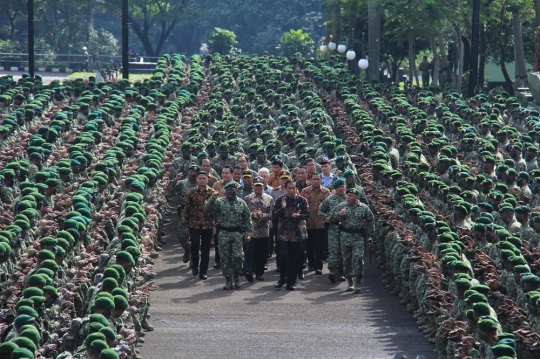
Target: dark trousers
x: 289, y: 256
x: 315, y: 247
x: 217, y: 258
x: 256, y: 255
x: 200, y: 240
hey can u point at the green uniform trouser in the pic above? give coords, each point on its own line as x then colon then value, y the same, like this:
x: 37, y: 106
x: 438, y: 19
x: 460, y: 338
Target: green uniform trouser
x: 182, y: 237
x: 335, y: 261
x: 231, y: 252
x: 352, y: 251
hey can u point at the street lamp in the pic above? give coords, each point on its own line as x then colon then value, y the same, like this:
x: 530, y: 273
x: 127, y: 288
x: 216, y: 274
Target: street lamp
x: 322, y: 48
x: 332, y: 45
x: 363, y: 64
x: 342, y: 48
x: 351, y: 55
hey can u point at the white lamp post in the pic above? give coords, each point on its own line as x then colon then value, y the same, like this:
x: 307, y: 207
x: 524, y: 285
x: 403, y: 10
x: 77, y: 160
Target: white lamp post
x: 322, y: 48
x: 332, y: 45
x: 363, y: 64
x: 342, y: 48
x: 350, y: 55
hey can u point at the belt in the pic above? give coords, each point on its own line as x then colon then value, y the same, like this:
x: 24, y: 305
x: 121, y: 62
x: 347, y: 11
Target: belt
x: 230, y: 229
x: 350, y: 230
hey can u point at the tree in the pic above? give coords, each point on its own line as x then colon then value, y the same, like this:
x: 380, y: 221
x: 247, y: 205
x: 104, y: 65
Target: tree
x: 294, y: 41
x: 153, y: 20
x: 374, y: 31
x: 221, y: 41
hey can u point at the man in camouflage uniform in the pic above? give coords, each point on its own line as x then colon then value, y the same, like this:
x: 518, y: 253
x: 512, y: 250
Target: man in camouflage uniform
x: 234, y: 224
x: 356, y: 223
x: 182, y: 188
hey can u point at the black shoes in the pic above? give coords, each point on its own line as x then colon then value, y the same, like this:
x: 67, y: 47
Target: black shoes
x: 195, y: 271
x: 301, y: 276
x: 260, y: 277
x: 279, y: 283
x: 249, y: 277
x: 203, y: 276
x: 318, y: 271
x: 217, y: 265
x: 290, y: 287
x: 311, y: 268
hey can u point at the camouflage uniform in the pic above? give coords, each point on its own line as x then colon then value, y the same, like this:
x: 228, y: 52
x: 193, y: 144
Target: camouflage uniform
x: 182, y: 188
x: 357, y: 219
x: 233, y: 221
x: 335, y: 261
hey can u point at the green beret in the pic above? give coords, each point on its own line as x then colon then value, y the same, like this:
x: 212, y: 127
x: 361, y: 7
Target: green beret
x: 104, y: 303
x: 7, y: 348
x: 231, y: 184
x: 23, y: 319
x: 126, y: 256
x: 26, y: 343
x: 108, y: 354
x: 98, y: 345
x: 500, y: 350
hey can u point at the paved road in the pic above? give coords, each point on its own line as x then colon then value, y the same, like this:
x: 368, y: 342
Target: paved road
x: 198, y: 319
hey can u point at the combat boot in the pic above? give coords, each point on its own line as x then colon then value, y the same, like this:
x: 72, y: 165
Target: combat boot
x: 350, y: 286
x: 229, y: 284
x: 332, y: 278
x: 357, y: 282
x: 237, y: 284
x: 146, y: 326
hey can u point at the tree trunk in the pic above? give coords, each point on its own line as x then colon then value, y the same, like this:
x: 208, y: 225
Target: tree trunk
x: 436, y: 61
x: 483, y: 57
x: 374, y: 32
x: 537, y: 11
x: 519, y: 54
x: 459, y: 79
x: 412, y: 56
x: 509, y: 86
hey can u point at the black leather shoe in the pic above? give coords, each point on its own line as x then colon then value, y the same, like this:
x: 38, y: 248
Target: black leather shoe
x: 203, y: 276
x: 260, y: 277
x: 301, y: 276
x: 279, y: 283
x: 249, y: 277
x: 290, y: 287
x: 277, y: 270
x: 217, y: 266
x: 195, y: 271
x: 318, y: 272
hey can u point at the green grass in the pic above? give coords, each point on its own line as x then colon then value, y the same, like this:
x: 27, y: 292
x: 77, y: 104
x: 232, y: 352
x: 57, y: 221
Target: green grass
x: 85, y: 75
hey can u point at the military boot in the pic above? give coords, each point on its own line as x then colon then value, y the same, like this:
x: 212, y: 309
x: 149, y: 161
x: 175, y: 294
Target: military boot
x: 146, y: 326
x: 229, y: 284
x: 237, y: 284
x: 357, y: 283
x: 350, y: 286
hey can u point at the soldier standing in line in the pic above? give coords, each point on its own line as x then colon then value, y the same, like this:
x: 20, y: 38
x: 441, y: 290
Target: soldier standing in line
x: 234, y: 225
x: 356, y: 223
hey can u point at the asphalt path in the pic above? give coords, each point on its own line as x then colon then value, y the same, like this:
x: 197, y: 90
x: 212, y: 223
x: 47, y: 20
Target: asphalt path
x: 48, y: 77
x: 198, y: 319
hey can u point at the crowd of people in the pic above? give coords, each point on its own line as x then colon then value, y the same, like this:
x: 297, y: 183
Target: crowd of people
x: 265, y: 155
x: 83, y: 200
x: 445, y: 189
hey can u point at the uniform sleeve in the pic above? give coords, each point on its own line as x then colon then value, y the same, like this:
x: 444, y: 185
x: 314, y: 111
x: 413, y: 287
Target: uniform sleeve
x: 324, y: 208
x: 210, y: 205
x: 246, y: 220
x: 370, y: 220
x: 187, y: 210
x: 334, y: 216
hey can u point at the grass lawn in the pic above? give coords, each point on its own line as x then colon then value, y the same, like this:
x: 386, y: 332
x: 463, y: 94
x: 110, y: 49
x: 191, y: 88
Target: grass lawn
x: 85, y: 75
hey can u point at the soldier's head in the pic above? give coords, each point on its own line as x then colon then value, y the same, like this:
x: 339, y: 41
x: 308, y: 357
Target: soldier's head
x: 352, y: 196
x: 231, y: 190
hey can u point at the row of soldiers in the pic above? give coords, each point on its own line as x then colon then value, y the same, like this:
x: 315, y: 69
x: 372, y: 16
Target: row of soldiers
x: 77, y: 255
x: 259, y: 140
